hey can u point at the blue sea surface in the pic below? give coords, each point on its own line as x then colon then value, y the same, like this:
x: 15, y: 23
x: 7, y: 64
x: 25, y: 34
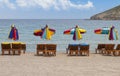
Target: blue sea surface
x: 26, y: 28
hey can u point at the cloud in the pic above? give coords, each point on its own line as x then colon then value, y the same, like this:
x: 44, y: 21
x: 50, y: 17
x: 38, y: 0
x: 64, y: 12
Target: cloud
x: 46, y: 4
x: 80, y: 6
x: 7, y: 3
x: 66, y: 4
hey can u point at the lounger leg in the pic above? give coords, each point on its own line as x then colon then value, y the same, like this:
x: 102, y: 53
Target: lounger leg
x: 19, y: 52
x: 76, y: 53
x: 13, y: 52
x: 54, y: 53
x: 66, y: 51
x: 9, y: 52
x: 43, y: 52
x: 80, y: 52
x: 96, y: 51
x: 114, y: 53
x: 118, y: 53
x: 99, y: 51
x: 46, y: 53
x: 70, y: 53
x: 37, y: 52
x: 2, y: 52
x: 24, y: 51
x: 88, y: 53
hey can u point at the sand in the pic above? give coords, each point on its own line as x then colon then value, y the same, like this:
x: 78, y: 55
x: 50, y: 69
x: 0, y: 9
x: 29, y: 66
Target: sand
x: 61, y: 65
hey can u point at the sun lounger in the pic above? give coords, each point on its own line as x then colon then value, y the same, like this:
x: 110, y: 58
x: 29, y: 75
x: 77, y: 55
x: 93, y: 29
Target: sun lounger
x: 41, y: 49
x: 16, y: 47
x: 117, y: 50
x: 99, y: 48
x: 50, y: 49
x: 5, y: 46
x: 109, y: 49
x: 23, y: 47
x: 84, y: 50
x: 73, y: 49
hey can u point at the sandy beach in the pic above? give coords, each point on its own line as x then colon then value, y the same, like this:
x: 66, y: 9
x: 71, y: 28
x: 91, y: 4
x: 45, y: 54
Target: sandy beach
x: 61, y: 65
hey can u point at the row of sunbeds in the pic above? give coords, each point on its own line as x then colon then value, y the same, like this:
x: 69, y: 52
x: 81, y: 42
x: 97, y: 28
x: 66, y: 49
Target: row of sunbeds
x: 108, y: 49
x: 78, y: 49
x: 50, y: 49
x: 16, y: 48
x: 103, y: 49
x: 13, y: 48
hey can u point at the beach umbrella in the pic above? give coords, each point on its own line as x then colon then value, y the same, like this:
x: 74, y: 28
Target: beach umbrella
x: 110, y: 31
x: 44, y: 33
x: 113, y: 34
x: 104, y: 30
x: 76, y: 32
x: 13, y: 34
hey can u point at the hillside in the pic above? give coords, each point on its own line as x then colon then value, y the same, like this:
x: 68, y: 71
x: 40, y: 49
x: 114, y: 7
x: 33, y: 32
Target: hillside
x: 111, y: 14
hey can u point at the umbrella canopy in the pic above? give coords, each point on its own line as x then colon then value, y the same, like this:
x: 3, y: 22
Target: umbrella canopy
x: 76, y: 32
x: 45, y: 33
x: 110, y: 31
x: 13, y: 33
x: 113, y: 34
x: 104, y: 30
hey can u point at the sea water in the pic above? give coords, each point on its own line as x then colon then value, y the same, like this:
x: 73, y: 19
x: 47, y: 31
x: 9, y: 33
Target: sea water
x: 26, y: 28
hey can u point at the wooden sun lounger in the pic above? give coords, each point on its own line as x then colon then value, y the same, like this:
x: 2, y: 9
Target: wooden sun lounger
x: 109, y: 49
x: 41, y: 49
x: 117, y: 50
x: 50, y: 49
x: 16, y: 48
x: 84, y: 50
x: 6, y: 47
x: 99, y: 48
x: 73, y: 50
x: 23, y: 47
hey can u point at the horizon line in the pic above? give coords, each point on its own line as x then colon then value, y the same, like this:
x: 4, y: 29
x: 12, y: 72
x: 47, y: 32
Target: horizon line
x: 43, y: 18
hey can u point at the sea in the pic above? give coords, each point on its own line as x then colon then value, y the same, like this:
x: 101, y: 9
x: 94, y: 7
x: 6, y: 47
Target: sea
x: 26, y: 28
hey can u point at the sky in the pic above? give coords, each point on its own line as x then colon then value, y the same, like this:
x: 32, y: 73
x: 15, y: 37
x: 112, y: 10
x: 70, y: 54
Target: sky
x: 53, y: 9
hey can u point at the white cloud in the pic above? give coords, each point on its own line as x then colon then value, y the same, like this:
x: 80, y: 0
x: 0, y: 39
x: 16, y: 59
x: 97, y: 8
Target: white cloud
x: 7, y: 3
x: 46, y: 4
x: 25, y: 3
x: 65, y: 4
x: 86, y: 6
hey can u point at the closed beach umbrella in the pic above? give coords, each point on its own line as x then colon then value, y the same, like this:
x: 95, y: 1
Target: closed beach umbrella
x: 45, y: 33
x: 13, y: 33
x: 76, y: 32
x: 113, y: 34
x: 110, y: 31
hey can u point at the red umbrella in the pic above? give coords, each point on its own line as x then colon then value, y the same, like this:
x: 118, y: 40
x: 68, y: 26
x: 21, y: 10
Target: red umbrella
x: 13, y: 33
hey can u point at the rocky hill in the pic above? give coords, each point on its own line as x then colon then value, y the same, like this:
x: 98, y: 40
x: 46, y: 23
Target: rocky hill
x: 111, y: 14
